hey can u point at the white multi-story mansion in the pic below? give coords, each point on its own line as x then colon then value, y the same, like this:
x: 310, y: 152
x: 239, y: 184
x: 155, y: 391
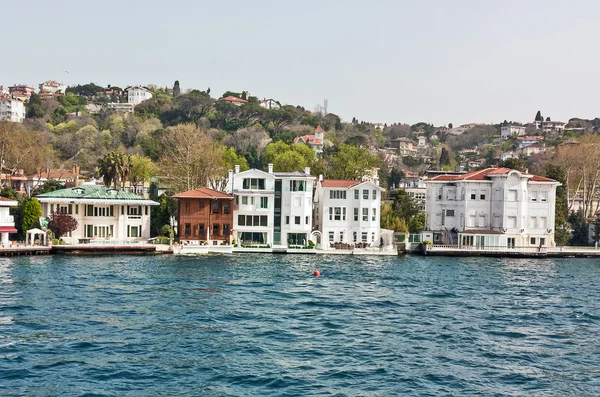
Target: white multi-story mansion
x: 101, y: 212
x: 511, y: 130
x: 52, y: 87
x: 497, y: 207
x: 348, y: 212
x: 7, y: 221
x: 11, y: 109
x: 271, y: 208
x: 138, y: 94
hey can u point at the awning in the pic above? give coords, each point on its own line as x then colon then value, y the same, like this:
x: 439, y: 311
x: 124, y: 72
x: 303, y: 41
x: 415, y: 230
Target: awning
x: 7, y: 229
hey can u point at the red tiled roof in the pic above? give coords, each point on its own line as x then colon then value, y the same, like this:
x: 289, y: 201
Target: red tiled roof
x: 319, y: 129
x: 309, y: 139
x: 57, y: 173
x: 234, y: 99
x: 481, y: 175
x: 338, y: 183
x: 203, y: 192
x: 6, y: 199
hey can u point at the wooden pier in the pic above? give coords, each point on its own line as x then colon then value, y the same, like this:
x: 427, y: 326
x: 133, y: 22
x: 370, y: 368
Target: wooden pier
x: 24, y: 251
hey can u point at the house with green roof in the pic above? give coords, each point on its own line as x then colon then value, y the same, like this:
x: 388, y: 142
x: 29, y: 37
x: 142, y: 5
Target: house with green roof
x: 101, y: 212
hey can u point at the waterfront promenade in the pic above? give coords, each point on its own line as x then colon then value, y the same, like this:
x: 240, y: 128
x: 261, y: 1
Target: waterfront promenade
x: 515, y: 252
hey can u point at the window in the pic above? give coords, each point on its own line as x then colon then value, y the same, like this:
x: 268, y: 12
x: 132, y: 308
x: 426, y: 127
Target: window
x: 287, y: 220
x: 297, y: 186
x: 186, y: 207
x: 241, y: 220
x: 534, y: 196
x: 449, y: 212
x: 245, y: 200
x: 356, y: 194
x: 226, y: 229
x: 307, y: 221
x: 264, y: 202
x: 226, y: 208
x: 365, y: 194
x: 187, y: 229
x: 365, y: 214
x: 532, y: 241
x: 543, y: 197
x: 356, y: 215
x: 342, y: 237
x: 215, y: 230
x: 201, y: 205
x: 215, y: 207
x: 354, y: 237
x: 473, y: 196
x: 373, y: 237
x: 297, y: 220
x: 251, y: 200
x: 364, y: 237
x: 337, y: 194
x: 482, y: 196
x: 374, y: 214
x: 374, y: 194
x: 331, y: 236
x: 542, y: 241
x: 337, y: 211
x: 237, y: 200
x: 253, y: 184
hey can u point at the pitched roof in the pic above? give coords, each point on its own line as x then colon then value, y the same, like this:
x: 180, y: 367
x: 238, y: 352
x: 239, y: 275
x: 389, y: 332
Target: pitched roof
x: 319, y: 129
x: 309, y: 139
x: 234, y: 99
x: 530, y: 138
x: 93, y: 193
x: 56, y: 173
x: 338, y: 183
x: 203, y: 192
x: 482, y: 175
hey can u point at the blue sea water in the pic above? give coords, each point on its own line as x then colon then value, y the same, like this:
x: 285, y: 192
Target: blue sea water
x: 262, y: 325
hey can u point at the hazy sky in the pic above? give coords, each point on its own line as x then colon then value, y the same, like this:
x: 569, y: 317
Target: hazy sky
x: 381, y: 61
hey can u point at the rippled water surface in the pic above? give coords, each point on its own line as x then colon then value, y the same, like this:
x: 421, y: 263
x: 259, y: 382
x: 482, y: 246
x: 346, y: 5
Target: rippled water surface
x: 262, y: 325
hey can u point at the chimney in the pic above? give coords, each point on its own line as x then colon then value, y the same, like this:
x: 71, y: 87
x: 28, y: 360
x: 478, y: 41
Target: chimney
x: 237, y: 169
x: 230, y: 175
x: 270, y: 168
x: 307, y: 170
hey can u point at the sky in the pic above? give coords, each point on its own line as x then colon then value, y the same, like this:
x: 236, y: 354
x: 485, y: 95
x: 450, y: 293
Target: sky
x: 385, y: 61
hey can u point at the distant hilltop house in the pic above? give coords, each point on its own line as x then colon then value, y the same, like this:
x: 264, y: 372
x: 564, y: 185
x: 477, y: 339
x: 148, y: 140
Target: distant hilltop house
x: 493, y: 207
x: 234, y: 100
x: 21, y: 92
x: 25, y: 184
x: 101, y: 212
x: 508, y: 155
x: 523, y: 141
x: 552, y: 127
x: 138, y: 94
x: 532, y: 149
x: 379, y: 126
x: 314, y: 141
x: 52, y: 87
x: 11, y: 109
x: 422, y: 144
x: 511, y: 130
x: 269, y: 104
x: 405, y: 146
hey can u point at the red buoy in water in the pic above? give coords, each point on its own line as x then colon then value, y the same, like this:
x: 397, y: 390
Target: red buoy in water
x: 317, y: 273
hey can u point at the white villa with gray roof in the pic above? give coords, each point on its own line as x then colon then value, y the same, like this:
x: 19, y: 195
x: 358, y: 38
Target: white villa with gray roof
x: 101, y: 213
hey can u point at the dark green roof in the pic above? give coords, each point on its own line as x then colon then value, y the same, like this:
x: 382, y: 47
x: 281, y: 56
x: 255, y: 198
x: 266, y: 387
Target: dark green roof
x: 92, y: 192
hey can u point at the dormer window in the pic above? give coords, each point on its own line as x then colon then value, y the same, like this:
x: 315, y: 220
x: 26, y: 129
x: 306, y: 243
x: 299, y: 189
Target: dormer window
x: 78, y: 190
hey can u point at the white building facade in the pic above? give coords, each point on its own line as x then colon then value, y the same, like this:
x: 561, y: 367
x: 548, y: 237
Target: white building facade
x: 271, y: 209
x: 348, y: 212
x: 493, y: 207
x: 253, y: 210
x: 7, y: 221
x: 138, y: 94
x: 52, y: 87
x: 11, y: 109
x: 101, y: 213
x: 511, y: 130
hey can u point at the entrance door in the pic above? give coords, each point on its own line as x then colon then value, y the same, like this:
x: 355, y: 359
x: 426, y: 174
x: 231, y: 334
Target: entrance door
x: 510, y: 242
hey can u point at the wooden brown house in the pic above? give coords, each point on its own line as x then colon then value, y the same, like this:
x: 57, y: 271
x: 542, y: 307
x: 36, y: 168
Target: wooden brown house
x: 205, y: 215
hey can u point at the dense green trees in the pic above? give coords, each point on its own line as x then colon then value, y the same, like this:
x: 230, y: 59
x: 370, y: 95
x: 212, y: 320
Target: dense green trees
x: 30, y: 215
